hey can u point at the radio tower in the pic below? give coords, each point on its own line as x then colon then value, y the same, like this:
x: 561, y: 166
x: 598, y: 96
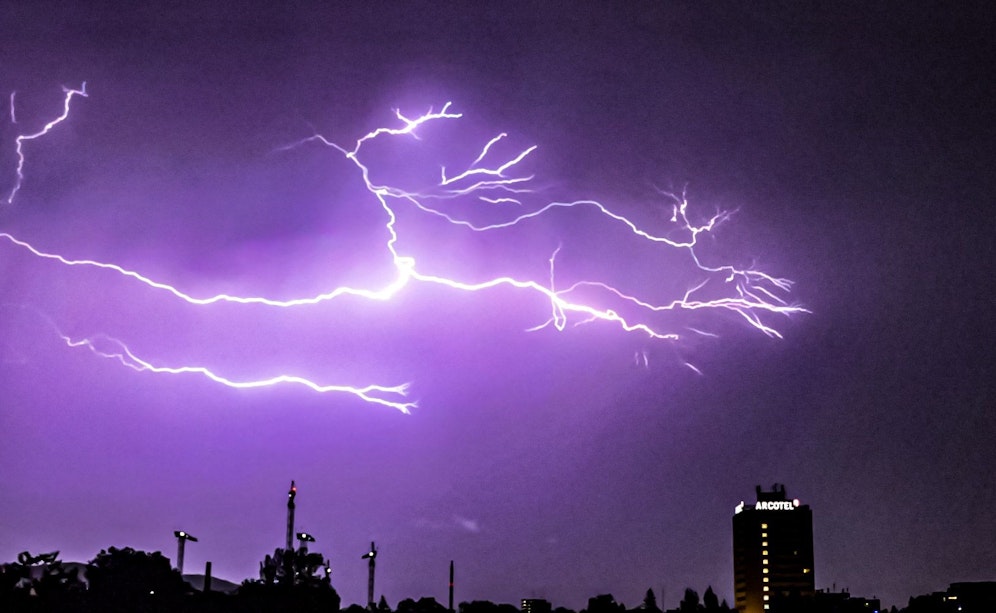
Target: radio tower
x: 372, y: 556
x: 290, y: 516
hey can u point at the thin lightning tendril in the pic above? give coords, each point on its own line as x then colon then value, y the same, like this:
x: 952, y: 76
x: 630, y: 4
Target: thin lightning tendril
x: 754, y: 292
x: 45, y: 130
x: 123, y: 355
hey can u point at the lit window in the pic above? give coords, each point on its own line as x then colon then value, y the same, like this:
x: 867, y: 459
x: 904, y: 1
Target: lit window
x: 766, y: 607
x: 764, y: 561
x: 765, y: 580
x: 765, y: 588
x: 764, y: 535
x: 764, y: 526
x: 806, y: 571
x: 764, y: 543
x: 765, y: 571
x: 764, y: 552
x: 766, y: 596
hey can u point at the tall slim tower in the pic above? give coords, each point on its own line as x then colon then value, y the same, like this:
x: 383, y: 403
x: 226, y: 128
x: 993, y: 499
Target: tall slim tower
x: 772, y: 552
x: 451, y: 586
x: 290, y: 516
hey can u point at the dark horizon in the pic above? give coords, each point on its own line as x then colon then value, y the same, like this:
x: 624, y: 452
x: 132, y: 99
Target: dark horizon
x: 778, y: 492
x: 127, y: 579
x: 851, y: 145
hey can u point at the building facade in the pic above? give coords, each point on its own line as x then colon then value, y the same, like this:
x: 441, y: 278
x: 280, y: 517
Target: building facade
x: 772, y: 553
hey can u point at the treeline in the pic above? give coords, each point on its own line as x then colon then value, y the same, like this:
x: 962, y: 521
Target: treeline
x: 127, y: 580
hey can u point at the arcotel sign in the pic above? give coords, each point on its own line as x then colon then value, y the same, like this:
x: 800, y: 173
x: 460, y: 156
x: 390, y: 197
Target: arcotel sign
x: 776, y: 505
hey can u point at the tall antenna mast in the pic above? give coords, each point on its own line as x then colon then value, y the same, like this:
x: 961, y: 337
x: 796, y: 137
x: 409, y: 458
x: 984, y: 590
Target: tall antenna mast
x: 290, y: 516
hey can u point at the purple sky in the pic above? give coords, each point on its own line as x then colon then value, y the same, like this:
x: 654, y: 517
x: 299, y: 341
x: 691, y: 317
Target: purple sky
x: 855, y: 144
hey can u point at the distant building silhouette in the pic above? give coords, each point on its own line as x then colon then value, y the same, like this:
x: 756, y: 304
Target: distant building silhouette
x: 971, y: 596
x: 772, y: 553
x: 962, y: 597
x: 536, y: 605
x: 829, y: 601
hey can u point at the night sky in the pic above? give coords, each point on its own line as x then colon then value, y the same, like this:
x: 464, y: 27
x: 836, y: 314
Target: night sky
x: 855, y: 146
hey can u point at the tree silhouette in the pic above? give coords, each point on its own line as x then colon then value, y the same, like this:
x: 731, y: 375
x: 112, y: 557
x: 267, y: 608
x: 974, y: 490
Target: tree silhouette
x: 58, y: 588
x: 290, y: 580
x: 710, y: 601
x: 650, y: 602
x: 298, y: 567
x: 131, y: 580
x: 406, y: 605
x: 690, y: 602
x: 604, y: 603
x: 13, y: 593
x: 484, y: 606
x: 426, y: 604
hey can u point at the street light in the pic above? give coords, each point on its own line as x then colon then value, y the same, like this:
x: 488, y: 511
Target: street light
x: 372, y: 556
x: 181, y: 538
x: 304, y: 537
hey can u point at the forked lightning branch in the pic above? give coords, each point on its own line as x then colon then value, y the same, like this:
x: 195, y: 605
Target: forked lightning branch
x: 490, y: 179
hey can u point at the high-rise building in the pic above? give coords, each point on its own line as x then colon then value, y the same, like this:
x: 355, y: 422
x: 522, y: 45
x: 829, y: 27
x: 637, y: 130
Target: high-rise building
x: 772, y: 553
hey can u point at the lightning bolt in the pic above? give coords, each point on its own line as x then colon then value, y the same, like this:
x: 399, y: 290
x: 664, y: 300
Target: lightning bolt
x: 20, y: 140
x: 374, y: 394
x: 494, y: 180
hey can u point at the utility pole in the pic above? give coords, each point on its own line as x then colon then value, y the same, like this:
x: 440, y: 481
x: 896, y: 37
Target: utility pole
x: 207, y: 577
x: 451, y: 586
x: 181, y: 538
x: 372, y: 557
